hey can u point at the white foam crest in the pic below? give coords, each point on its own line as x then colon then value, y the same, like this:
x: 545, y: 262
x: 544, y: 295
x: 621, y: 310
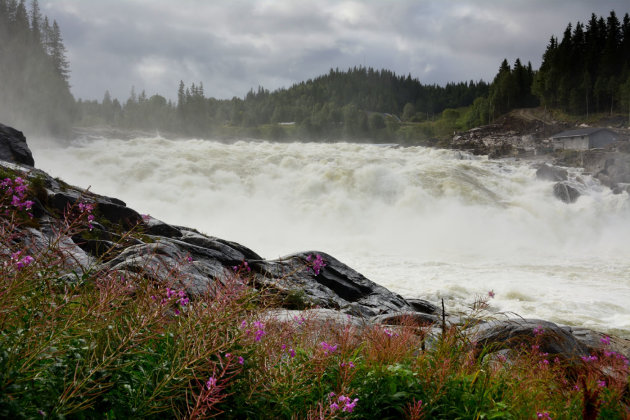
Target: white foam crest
x: 421, y: 221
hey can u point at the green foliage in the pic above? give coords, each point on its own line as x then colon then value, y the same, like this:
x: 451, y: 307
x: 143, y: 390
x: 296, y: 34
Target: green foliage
x: 584, y: 73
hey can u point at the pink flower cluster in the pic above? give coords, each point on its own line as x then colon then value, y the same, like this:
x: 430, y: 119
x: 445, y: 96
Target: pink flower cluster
x: 291, y: 351
x: 260, y: 329
x: 211, y: 382
x: 20, y: 263
x: 240, y: 358
x: 543, y: 415
x: 243, y: 267
x: 317, y: 263
x: 342, y: 403
x: 86, y: 208
x: 16, y: 191
x: 181, y: 298
x: 328, y: 349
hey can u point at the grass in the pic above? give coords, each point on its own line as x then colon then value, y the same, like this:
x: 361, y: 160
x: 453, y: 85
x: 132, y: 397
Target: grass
x: 118, y: 345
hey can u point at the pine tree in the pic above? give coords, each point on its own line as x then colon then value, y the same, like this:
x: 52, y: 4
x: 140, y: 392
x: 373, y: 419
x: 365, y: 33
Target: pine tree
x: 58, y: 52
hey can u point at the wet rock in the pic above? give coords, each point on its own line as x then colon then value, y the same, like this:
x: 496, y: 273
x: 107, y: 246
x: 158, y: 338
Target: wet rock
x: 598, y: 342
x: 551, y: 173
x: 157, y: 227
x: 621, y: 187
x: 513, y: 333
x: 13, y: 147
x: 406, y: 318
x: 421, y: 305
x: 335, y: 286
x: 565, y: 192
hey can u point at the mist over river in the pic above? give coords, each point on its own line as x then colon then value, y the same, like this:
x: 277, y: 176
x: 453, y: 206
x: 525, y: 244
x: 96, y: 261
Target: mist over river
x: 422, y: 222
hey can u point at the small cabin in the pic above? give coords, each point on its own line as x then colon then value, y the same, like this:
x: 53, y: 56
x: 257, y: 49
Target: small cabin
x: 584, y: 139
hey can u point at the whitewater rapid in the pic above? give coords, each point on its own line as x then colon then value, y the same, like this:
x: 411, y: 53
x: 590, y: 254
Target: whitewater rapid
x: 422, y: 222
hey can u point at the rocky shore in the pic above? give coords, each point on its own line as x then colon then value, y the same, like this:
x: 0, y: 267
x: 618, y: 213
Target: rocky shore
x: 305, y: 281
x: 526, y: 134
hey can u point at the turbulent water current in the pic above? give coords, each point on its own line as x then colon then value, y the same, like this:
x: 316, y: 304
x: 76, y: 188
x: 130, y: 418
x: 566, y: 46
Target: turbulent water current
x: 422, y: 222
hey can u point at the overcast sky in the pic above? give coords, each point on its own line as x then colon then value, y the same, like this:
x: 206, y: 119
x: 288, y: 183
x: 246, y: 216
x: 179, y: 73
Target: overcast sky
x: 234, y: 45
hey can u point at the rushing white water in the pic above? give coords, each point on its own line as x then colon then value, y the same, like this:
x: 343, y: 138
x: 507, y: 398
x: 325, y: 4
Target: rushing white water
x: 423, y: 222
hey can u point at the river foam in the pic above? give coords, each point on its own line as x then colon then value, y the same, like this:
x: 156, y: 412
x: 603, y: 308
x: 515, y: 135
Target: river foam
x: 423, y: 222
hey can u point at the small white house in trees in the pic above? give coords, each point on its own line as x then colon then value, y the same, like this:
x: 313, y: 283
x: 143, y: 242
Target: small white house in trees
x: 584, y: 139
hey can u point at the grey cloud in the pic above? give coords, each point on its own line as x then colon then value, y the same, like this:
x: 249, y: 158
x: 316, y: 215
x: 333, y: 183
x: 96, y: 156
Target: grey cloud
x: 236, y: 45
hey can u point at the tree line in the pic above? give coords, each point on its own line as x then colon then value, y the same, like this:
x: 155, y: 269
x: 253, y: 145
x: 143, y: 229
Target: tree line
x: 587, y: 71
x: 34, y: 71
x: 356, y: 103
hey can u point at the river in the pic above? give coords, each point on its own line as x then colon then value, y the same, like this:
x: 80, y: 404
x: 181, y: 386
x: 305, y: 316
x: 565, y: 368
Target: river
x: 423, y: 222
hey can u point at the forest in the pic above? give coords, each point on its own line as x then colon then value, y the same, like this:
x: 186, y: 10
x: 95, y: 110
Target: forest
x: 34, y: 71
x: 586, y: 72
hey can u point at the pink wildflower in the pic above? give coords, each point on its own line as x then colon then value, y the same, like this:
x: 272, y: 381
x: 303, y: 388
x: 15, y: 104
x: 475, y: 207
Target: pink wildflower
x: 328, y: 348
x: 317, y: 264
x: 491, y: 293
x: 350, y: 405
x: 211, y: 382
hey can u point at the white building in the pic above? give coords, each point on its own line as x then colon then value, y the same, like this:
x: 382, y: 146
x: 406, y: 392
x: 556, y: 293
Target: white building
x: 584, y: 139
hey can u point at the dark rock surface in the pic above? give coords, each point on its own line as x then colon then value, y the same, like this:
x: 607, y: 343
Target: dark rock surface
x: 13, y: 147
x: 565, y: 192
x: 335, y: 286
x: 512, y: 333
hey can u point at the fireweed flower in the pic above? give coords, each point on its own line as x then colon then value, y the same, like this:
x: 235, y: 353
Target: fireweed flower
x: 20, y: 263
x: 538, y: 330
x: 328, y: 348
x: 491, y: 293
x: 241, y: 360
x: 317, y: 264
x: 343, y: 402
x: 601, y: 384
x: 350, y: 405
x: 211, y: 382
x: 605, y: 340
x: 260, y: 331
x: 543, y: 415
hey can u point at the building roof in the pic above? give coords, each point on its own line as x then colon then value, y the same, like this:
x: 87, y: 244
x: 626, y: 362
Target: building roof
x: 581, y: 132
